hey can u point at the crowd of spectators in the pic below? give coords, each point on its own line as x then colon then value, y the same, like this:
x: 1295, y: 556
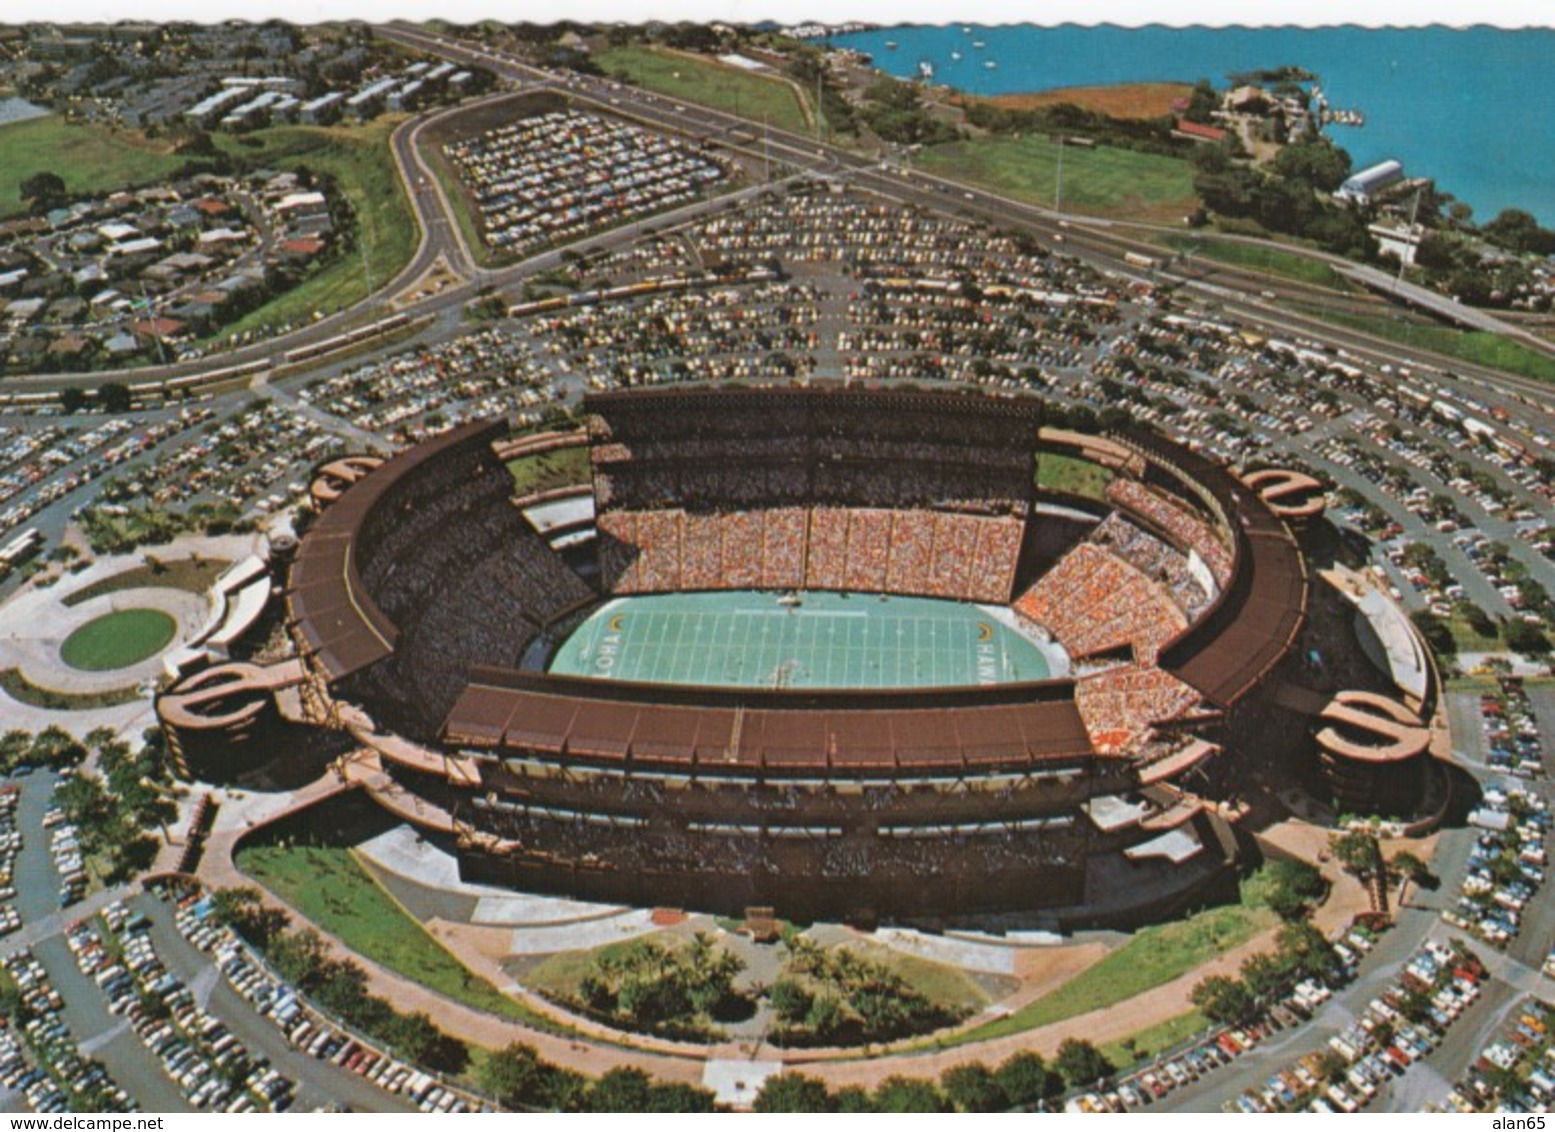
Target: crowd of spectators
x: 556, y: 176
x: 619, y: 843
x: 1156, y: 559
x: 867, y: 550
x: 464, y: 577
x: 1121, y: 705
x: 1095, y: 603
x: 1177, y: 521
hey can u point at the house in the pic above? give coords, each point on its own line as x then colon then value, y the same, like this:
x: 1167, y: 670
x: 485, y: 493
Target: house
x: 1197, y: 132
x: 162, y: 328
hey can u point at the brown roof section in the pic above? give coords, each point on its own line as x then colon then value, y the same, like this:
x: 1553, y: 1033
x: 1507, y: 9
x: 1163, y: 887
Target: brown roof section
x: 1255, y: 621
x: 945, y: 732
x: 337, y: 618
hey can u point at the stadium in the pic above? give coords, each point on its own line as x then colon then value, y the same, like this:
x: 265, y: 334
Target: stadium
x: 826, y: 651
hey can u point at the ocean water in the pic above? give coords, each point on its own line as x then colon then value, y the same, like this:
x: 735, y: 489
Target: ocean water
x: 1469, y: 108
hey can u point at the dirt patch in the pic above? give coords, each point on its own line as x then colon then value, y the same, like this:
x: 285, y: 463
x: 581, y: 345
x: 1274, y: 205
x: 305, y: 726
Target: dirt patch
x: 1124, y: 100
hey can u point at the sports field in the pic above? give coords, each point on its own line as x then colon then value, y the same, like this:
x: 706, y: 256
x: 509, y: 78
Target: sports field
x: 750, y: 639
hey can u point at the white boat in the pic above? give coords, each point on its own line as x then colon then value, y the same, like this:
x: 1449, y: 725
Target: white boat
x: 955, y: 55
x: 991, y: 65
x: 890, y: 45
x: 979, y: 44
x: 926, y: 70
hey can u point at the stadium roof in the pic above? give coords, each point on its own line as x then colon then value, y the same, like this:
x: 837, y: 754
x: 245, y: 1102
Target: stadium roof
x: 1253, y: 623
x: 340, y: 623
x: 779, y: 732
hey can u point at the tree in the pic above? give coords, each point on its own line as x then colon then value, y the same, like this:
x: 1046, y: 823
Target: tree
x: 793, y: 1092
x: 973, y: 1088
x: 513, y: 1074
x: 1316, y: 162
x: 72, y: 400
x: 114, y: 397
x: 1412, y: 868
x: 676, y: 1096
x: 1358, y: 852
x: 1025, y: 1079
x: 1222, y: 999
x: 244, y: 911
x: 1519, y: 636
x: 1081, y: 1063
x: 907, y: 1094
x: 43, y: 190
x: 790, y: 1001
x: 1263, y: 975
x: 852, y: 1098
x: 621, y: 1090
x: 1202, y: 103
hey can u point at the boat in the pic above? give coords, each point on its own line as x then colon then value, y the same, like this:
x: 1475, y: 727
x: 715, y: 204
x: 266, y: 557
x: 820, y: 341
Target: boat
x: 926, y: 70
x: 979, y: 44
x: 955, y: 55
x: 991, y: 65
x: 890, y: 45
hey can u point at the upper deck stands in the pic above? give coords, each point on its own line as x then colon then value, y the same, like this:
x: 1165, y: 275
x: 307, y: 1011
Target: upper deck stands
x: 338, y: 619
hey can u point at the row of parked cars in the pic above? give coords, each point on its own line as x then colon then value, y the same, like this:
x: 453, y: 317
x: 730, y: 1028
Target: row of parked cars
x: 10, y: 846
x: 1397, y: 1028
x: 1516, y: 1071
x: 1150, y: 1085
x: 1511, y: 731
x: 304, y: 1027
x: 60, y: 1078
x: 1506, y: 865
x: 65, y: 848
x: 210, y: 1065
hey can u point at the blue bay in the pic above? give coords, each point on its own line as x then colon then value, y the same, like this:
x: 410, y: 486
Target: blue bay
x: 1466, y: 107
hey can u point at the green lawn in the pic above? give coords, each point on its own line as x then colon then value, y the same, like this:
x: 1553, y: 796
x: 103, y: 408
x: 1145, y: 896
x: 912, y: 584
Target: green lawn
x: 561, y: 467
x: 327, y: 885
x: 90, y: 159
x: 1106, y: 181
x: 1154, y: 956
x: 1154, y: 1040
x: 1475, y: 346
x: 118, y: 639
x: 751, y: 96
x: 359, y: 158
x: 190, y: 574
x: 1285, y: 264
x: 1070, y: 474
x: 24, y: 691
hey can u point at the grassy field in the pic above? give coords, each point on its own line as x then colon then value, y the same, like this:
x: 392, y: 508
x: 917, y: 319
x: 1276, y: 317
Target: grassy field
x: 1286, y: 265
x: 196, y: 576
x: 90, y: 159
x: 1117, y: 100
x: 1154, y: 1040
x: 118, y: 639
x: 359, y: 158
x: 752, y: 96
x: 24, y: 691
x: 327, y: 885
x: 1070, y: 474
x: 1154, y: 956
x: 1105, y: 181
x: 938, y: 982
x: 561, y: 467
x: 1478, y: 347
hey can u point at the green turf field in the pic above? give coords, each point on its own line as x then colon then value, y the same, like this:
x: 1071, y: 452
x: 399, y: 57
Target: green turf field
x: 747, y: 639
x: 118, y: 640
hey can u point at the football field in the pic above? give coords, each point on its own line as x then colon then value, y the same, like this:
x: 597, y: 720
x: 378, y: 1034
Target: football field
x: 750, y: 639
